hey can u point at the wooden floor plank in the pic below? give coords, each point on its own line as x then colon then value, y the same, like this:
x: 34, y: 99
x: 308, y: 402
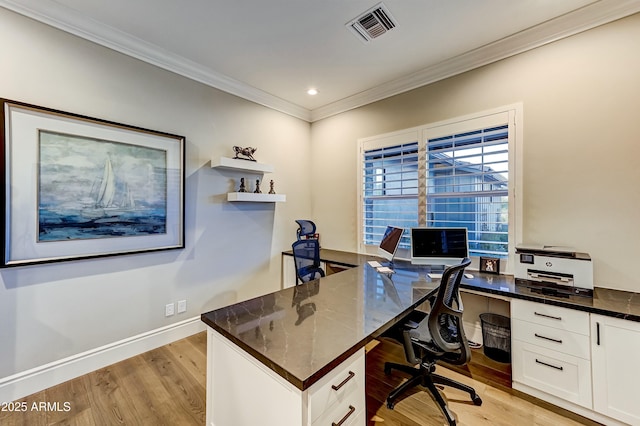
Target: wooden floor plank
x: 499, y: 407
x: 166, y: 386
x: 188, y: 392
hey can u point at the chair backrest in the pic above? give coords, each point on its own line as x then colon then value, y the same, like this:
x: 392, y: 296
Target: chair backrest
x: 306, y: 255
x: 445, y: 318
x: 306, y: 227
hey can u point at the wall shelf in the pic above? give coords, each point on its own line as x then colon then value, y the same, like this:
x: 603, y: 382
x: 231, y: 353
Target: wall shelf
x: 256, y: 198
x: 234, y: 164
x: 240, y: 165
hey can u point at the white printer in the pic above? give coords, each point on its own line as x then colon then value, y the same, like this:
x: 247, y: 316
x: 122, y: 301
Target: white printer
x: 554, y: 271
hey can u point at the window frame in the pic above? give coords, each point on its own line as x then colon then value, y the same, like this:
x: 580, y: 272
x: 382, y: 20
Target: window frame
x: 513, y: 114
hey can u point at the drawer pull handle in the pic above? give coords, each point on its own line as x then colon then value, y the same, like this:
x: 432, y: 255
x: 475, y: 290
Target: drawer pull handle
x: 547, y: 316
x: 344, y: 382
x: 547, y: 338
x: 344, y: 419
x: 549, y: 365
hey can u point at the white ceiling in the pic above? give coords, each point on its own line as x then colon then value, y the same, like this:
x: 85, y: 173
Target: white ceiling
x: 272, y: 51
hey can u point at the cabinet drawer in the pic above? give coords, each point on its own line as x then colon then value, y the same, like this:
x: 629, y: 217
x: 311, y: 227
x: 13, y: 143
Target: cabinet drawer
x: 551, y: 338
x: 349, y: 412
x: 551, y: 316
x: 565, y: 376
x: 345, y: 384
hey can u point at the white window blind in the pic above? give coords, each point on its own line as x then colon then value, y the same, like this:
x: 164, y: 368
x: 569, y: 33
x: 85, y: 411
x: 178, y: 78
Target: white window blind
x: 390, y: 190
x: 468, y: 186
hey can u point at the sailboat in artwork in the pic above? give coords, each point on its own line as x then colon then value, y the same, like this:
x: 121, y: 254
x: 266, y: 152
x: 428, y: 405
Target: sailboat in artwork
x: 108, y: 201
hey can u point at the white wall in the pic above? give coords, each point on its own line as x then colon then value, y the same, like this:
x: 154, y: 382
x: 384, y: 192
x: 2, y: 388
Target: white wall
x: 51, y: 312
x: 581, y: 99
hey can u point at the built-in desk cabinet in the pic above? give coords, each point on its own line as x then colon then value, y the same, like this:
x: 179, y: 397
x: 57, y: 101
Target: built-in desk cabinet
x: 551, y: 351
x: 242, y: 391
x: 615, y: 366
x: 586, y: 363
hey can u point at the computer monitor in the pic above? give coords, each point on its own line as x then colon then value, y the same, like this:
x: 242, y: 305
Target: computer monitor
x: 390, y: 242
x: 438, y: 246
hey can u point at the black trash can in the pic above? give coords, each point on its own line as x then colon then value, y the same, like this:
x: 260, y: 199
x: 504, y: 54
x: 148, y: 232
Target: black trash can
x: 496, y: 336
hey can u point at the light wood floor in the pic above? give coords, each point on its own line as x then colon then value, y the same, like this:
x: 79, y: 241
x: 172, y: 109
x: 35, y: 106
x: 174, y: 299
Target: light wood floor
x: 166, y: 386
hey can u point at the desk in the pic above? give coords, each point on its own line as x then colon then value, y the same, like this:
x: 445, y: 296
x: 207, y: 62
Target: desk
x: 302, y: 345
x: 297, y: 337
x: 607, y: 302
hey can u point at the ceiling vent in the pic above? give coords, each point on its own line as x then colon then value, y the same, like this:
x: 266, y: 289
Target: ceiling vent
x: 372, y: 24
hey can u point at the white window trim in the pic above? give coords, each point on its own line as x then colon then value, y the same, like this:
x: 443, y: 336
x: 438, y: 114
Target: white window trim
x: 440, y: 128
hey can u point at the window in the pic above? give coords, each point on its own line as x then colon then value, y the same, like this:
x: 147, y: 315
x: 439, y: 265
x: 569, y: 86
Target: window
x: 390, y: 186
x: 467, y: 186
x: 458, y: 173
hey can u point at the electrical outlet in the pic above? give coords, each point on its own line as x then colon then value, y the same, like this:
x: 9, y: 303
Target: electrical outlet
x: 169, y: 309
x: 182, y: 306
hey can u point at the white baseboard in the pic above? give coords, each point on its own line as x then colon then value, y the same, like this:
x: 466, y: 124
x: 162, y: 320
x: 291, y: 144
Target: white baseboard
x: 45, y: 376
x: 585, y: 412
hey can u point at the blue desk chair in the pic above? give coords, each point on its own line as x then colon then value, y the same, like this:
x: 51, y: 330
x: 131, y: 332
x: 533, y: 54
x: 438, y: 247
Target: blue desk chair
x: 306, y: 228
x: 306, y: 253
x: 436, y: 336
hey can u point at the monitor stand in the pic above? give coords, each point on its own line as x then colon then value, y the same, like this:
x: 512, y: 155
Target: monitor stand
x: 436, y: 271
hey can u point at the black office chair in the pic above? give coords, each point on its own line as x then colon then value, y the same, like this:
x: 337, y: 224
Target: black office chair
x: 306, y: 253
x: 436, y: 336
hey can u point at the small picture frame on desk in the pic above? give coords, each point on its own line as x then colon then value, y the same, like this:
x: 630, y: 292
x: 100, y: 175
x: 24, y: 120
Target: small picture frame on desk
x: 490, y: 265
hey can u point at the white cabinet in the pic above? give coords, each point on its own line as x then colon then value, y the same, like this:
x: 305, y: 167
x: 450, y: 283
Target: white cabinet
x: 616, y: 371
x: 551, y: 351
x: 241, y: 391
x: 340, y: 395
x: 289, y: 271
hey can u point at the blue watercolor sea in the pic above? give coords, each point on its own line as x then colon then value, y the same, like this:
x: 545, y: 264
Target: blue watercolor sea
x: 99, y: 223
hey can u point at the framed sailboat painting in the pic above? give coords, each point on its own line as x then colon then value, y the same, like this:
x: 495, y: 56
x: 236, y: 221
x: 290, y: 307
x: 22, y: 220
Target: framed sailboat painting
x: 78, y: 187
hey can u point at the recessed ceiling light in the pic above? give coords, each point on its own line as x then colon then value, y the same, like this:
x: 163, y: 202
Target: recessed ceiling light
x: 312, y: 92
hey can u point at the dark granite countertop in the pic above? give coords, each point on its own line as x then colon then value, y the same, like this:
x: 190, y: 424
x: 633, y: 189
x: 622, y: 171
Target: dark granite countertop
x: 613, y: 303
x: 305, y: 331
x: 343, y: 258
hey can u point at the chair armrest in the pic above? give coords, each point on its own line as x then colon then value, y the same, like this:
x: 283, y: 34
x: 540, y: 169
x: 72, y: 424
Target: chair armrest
x: 408, y: 348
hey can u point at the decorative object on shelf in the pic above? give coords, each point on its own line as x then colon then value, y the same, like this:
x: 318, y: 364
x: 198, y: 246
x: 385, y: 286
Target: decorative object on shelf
x: 243, y: 188
x: 271, y: 190
x: 490, y: 265
x: 244, y: 153
x: 257, y: 191
x: 80, y: 187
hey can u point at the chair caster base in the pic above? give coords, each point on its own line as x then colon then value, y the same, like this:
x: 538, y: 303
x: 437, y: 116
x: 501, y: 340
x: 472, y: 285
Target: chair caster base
x: 476, y: 400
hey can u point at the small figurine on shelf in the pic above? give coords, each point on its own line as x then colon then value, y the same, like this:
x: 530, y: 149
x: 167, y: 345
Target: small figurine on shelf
x: 243, y: 188
x: 257, y: 191
x: 271, y: 190
x: 244, y: 153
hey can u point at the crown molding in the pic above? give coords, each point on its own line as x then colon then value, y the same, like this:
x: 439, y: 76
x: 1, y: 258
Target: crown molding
x: 583, y: 19
x: 66, y: 19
